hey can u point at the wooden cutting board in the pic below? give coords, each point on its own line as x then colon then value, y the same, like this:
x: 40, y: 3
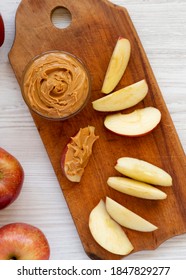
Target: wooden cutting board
x: 92, y: 35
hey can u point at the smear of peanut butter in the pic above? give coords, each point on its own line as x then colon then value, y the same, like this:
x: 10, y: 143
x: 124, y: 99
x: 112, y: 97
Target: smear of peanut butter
x: 56, y: 85
x: 79, y: 152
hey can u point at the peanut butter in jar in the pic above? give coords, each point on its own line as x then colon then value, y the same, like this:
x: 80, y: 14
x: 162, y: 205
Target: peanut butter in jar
x: 56, y: 85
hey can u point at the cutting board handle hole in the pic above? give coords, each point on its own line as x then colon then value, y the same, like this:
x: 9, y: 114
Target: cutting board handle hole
x: 61, y: 17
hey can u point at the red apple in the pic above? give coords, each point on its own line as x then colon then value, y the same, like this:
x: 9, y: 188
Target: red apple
x: 20, y: 241
x: 2, y: 31
x: 11, y: 178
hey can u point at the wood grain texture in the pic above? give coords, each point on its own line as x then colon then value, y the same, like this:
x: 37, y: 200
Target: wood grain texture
x: 29, y: 121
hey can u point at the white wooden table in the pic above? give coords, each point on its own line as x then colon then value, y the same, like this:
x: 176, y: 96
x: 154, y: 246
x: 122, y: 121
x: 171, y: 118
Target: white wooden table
x: 161, y: 25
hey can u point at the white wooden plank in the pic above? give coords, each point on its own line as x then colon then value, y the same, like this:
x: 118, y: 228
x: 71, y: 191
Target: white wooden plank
x: 161, y: 25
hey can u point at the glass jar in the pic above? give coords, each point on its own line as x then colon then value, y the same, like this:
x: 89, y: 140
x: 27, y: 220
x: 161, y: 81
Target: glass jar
x: 56, y: 85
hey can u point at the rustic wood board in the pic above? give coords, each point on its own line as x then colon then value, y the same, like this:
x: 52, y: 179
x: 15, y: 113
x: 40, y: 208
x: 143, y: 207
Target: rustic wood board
x: 94, y: 30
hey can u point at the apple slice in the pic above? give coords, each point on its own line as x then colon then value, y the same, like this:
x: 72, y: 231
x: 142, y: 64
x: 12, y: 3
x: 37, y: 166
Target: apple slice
x: 117, y: 65
x: 123, y: 98
x: 76, y: 154
x: 143, y: 171
x: 135, y: 188
x: 127, y: 218
x: 137, y: 123
x: 107, y: 233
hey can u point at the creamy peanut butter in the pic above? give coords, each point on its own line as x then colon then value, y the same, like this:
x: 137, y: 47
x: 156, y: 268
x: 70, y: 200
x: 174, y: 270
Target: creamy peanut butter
x: 78, y: 153
x: 56, y: 85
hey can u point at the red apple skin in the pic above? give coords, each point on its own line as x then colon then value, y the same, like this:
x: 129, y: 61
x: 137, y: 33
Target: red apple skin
x: 20, y: 241
x: 11, y: 178
x: 2, y: 31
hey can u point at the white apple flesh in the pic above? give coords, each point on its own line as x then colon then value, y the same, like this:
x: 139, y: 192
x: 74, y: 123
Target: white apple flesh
x: 117, y: 65
x: 127, y: 218
x: 20, y: 241
x: 11, y: 178
x: 107, y: 233
x: 137, y: 123
x: 123, y: 98
x: 143, y: 171
x: 135, y: 188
